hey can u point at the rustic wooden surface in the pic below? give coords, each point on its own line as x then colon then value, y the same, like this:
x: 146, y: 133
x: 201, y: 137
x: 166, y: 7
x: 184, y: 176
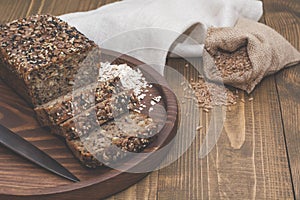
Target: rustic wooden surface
x: 257, y: 155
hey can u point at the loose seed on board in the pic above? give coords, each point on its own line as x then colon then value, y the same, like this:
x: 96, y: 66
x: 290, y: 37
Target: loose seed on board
x: 205, y: 110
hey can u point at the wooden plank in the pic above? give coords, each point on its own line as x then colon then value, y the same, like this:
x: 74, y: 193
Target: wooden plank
x: 284, y: 17
x: 145, y: 189
x: 249, y: 160
x: 14, y: 9
x: 10, y: 10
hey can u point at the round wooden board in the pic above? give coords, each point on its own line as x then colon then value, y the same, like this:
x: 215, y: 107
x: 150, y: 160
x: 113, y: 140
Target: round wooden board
x: 21, y: 179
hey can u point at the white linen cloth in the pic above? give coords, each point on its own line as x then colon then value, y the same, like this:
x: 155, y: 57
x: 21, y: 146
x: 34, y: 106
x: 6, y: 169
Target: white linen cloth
x: 147, y: 29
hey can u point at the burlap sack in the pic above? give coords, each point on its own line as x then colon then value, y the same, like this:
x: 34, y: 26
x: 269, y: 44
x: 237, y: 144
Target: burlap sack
x: 241, y: 56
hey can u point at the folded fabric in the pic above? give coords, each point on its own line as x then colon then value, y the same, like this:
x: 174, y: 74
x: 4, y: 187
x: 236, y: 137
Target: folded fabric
x: 146, y: 29
x: 241, y: 56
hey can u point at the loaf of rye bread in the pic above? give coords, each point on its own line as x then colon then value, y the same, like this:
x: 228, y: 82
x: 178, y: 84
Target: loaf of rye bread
x: 131, y: 132
x: 95, y: 116
x: 67, y: 106
x: 42, y: 57
x: 55, y: 69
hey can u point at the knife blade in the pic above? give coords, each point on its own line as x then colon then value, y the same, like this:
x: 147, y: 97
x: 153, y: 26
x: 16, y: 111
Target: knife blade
x: 24, y: 148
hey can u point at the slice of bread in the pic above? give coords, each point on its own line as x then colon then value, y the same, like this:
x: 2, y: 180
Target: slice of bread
x: 67, y: 106
x: 131, y: 132
x: 97, y: 115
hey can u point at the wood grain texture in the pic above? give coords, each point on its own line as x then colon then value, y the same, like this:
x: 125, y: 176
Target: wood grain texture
x: 284, y: 17
x: 250, y: 159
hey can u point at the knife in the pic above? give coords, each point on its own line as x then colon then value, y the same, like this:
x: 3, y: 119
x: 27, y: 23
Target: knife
x: 24, y: 148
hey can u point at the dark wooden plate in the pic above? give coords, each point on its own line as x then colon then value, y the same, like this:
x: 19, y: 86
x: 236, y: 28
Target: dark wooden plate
x: 20, y: 179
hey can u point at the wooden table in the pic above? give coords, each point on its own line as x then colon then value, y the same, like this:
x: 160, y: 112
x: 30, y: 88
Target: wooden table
x: 257, y: 154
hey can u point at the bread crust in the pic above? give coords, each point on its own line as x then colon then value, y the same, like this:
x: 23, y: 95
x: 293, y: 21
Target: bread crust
x: 44, y: 55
